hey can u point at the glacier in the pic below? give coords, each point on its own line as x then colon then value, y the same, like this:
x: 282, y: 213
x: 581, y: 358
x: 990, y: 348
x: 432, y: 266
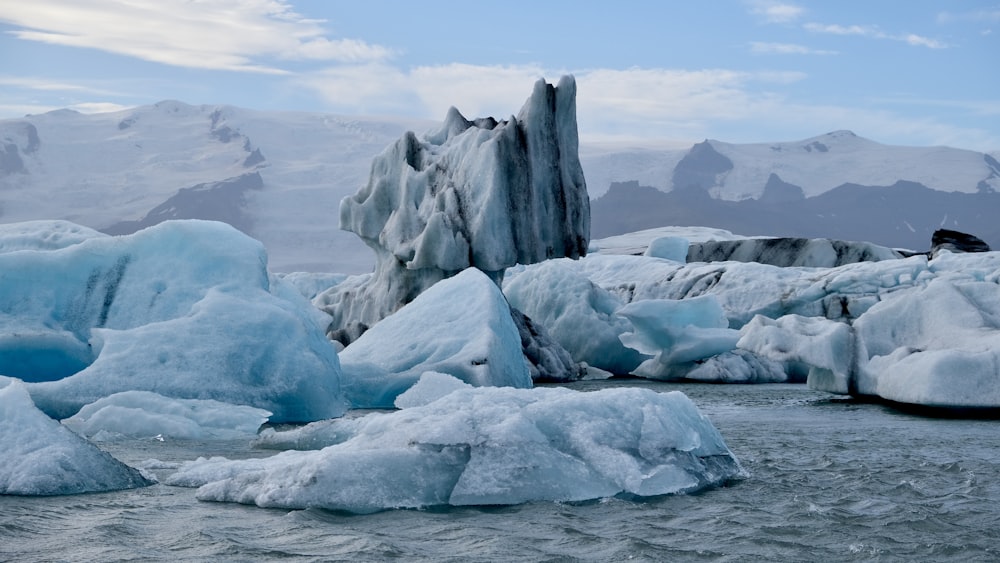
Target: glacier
x: 42, y: 457
x: 458, y: 445
x: 185, y: 309
x: 484, y: 193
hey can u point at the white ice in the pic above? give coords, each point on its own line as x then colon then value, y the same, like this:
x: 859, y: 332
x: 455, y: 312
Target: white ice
x: 460, y: 326
x: 186, y: 309
x: 41, y: 457
x: 676, y: 333
x: 144, y: 414
x: 818, y: 350
x: 485, y: 446
x: 937, y: 345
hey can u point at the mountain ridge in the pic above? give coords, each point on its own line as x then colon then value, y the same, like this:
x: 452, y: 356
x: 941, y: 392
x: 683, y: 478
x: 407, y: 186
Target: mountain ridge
x: 119, y: 170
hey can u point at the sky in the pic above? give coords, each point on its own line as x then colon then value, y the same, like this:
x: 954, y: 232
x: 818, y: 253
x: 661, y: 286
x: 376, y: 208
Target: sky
x: 649, y: 73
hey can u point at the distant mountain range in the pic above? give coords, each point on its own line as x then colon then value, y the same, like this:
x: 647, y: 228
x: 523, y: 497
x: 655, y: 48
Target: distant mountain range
x: 280, y: 176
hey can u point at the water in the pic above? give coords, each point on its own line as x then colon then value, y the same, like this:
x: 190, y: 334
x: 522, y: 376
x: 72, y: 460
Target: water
x: 831, y: 479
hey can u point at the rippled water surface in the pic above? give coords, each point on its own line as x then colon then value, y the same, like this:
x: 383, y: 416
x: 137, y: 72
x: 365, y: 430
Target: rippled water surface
x: 831, y: 479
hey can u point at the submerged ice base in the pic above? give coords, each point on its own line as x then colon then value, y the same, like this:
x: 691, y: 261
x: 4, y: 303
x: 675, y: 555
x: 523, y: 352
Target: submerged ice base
x: 459, y: 445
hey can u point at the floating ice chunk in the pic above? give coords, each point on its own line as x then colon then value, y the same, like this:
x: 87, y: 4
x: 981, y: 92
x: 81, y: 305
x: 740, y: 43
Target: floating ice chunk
x: 676, y: 333
x: 819, y: 349
x: 737, y: 366
x: 430, y: 387
x: 784, y: 252
x: 186, y: 309
x: 576, y: 313
x: 669, y: 248
x: 460, y: 326
x: 937, y: 345
x: 486, y: 446
x: 143, y: 414
x: 41, y: 457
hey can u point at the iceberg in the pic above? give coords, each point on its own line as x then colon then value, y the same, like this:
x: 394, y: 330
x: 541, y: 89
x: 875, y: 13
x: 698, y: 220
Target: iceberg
x: 817, y: 350
x: 458, y: 445
x: 185, y: 309
x: 143, y: 414
x: 483, y: 193
x: 677, y: 333
x: 575, y: 312
x: 460, y: 326
x: 786, y: 252
x: 42, y: 457
x: 937, y: 345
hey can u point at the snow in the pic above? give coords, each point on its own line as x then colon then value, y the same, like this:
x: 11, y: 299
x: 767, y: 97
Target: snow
x: 143, y: 414
x: 461, y: 326
x: 41, y: 457
x: 185, y: 309
x: 481, y: 193
x: 484, y: 446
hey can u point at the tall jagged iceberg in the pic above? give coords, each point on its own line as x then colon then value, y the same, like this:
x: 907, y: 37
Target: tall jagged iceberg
x: 484, y: 193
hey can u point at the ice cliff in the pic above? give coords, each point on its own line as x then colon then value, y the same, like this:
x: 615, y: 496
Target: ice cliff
x: 484, y: 193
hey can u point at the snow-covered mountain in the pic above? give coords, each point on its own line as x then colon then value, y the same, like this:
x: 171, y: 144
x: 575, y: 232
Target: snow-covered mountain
x: 736, y: 172
x: 280, y: 176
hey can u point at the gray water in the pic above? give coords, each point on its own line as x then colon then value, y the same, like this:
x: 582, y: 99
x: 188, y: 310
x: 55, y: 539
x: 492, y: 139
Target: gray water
x: 830, y: 480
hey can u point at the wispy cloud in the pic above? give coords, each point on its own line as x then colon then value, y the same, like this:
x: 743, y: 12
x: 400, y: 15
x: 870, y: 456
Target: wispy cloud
x: 988, y: 16
x: 875, y: 33
x: 49, y: 85
x: 773, y: 11
x: 786, y: 49
x: 637, y: 102
x: 237, y: 35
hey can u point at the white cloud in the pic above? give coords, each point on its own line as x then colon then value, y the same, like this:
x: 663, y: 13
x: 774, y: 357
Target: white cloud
x: 835, y: 29
x: 48, y: 85
x: 786, y: 49
x: 238, y: 35
x: 989, y: 15
x: 917, y: 40
x: 876, y: 33
x: 773, y: 11
x: 635, y: 102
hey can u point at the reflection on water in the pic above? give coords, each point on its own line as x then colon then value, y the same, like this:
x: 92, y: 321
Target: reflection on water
x: 830, y: 478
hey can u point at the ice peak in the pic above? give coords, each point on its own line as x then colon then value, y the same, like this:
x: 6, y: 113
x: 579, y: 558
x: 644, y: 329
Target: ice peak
x: 484, y: 193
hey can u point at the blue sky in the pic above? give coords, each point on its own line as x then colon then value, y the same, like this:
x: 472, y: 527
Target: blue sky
x: 653, y: 73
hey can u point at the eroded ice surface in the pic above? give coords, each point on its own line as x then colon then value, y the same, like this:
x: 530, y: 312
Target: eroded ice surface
x: 41, y: 457
x: 186, y: 309
x: 484, y: 446
x: 484, y: 193
x: 460, y: 326
x: 143, y: 414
